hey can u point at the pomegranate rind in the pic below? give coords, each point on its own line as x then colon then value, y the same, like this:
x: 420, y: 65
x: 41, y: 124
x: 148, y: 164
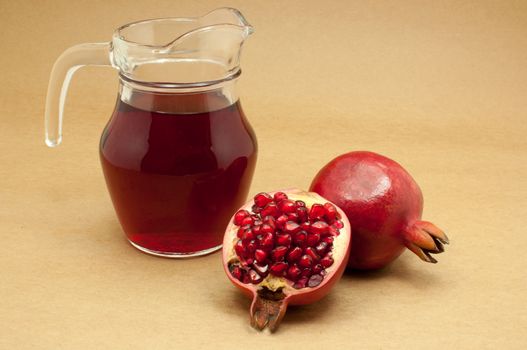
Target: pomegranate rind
x: 307, y: 295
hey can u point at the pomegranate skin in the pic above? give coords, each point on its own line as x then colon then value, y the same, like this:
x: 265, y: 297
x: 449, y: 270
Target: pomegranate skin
x: 384, y: 206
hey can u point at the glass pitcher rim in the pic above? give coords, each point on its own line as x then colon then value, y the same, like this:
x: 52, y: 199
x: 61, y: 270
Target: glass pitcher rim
x: 243, y: 25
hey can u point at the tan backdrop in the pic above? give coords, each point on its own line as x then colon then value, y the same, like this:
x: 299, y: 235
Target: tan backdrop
x: 440, y: 86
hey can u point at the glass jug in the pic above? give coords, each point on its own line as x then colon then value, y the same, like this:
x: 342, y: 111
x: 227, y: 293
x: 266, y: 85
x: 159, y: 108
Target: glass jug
x: 178, y: 154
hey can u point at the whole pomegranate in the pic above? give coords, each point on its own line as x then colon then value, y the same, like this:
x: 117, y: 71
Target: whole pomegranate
x: 285, y: 248
x: 384, y: 206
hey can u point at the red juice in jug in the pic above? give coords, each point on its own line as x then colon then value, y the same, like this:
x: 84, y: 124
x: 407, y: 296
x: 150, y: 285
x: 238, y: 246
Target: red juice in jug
x: 177, y: 167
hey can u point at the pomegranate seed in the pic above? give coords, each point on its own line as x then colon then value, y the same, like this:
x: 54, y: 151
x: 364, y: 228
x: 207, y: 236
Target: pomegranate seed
x: 279, y: 196
x: 239, y: 249
x: 305, y: 261
x: 257, y: 229
x: 270, y: 210
x: 302, y: 214
x: 248, y: 221
x: 248, y: 235
x: 267, y: 241
x: 284, y: 239
x: 328, y: 240
x: 287, y: 206
x: 278, y: 253
x: 314, y: 281
x: 317, y: 268
x: 281, y: 220
x: 301, y: 283
x: 326, y: 261
x: 263, y: 270
x: 333, y: 231
x: 306, y: 226
x: 254, y: 277
x: 313, y: 239
x: 300, y: 238
x: 266, y: 228
x: 246, y: 279
x: 321, y: 248
x: 294, y: 254
x: 251, y: 246
x: 257, y: 222
x: 260, y: 255
x: 291, y: 227
x: 312, y: 253
x: 239, y: 216
x: 293, y: 217
x: 262, y: 199
x: 256, y: 209
x: 300, y: 203
x: 249, y: 261
x: 317, y: 211
x: 331, y: 212
x: 306, y: 273
x: 242, y: 230
x: 293, y: 273
x: 237, y: 273
x: 269, y: 220
x: 319, y: 227
x: 338, y: 224
x: 279, y: 268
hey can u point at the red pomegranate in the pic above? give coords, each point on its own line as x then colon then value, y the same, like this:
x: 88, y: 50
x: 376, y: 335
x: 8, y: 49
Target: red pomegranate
x: 384, y: 206
x: 285, y: 248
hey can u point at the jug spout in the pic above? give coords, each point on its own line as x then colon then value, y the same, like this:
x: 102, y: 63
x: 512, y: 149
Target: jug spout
x: 182, y: 51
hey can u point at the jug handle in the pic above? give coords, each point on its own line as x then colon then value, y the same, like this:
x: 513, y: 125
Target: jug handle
x: 72, y: 59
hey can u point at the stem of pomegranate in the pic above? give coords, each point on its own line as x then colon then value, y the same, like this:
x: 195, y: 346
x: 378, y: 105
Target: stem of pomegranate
x: 267, y: 309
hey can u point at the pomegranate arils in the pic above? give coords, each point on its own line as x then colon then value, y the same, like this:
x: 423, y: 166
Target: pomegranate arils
x: 313, y: 239
x: 293, y: 273
x: 301, y: 283
x: 285, y: 238
x: 254, y: 277
x: 281, y: 221
x: 326, y: 261
x: 263, y: 270
x: 300, y: 203
x: 278, y: 253
x: 331, y: 212
x: 321, y: 248
x: 305, y: 261
x: 239, y: 216
x: 266, y: 228
x: 260, y: 255
x: 270, y: 210
x: 239, y: 249
x: 300, y: 238
x: 317, y: 211
x: 314, y: 281
x: 237, y: 272
x: 318, y: 268
x: 279, y: 196
x: 262, y: 199
x: 291, y: 227
x: 320, y: 227
x: 278, y: 268
x: 312, y: 253
x: 248, y: 221
x: 294, y: 254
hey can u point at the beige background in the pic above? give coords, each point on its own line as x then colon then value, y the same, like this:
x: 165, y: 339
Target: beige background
x: 439, y: 86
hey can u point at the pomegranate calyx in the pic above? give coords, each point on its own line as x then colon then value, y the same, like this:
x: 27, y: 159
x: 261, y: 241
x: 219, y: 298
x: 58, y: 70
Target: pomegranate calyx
x: 267, y: 309
x: 424, y: 238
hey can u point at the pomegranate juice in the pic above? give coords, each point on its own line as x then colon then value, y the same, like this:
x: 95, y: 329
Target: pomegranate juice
x: 175, y: 177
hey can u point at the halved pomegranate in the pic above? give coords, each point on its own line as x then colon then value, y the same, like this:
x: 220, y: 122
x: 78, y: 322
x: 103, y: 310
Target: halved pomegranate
x: 285, y: 248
